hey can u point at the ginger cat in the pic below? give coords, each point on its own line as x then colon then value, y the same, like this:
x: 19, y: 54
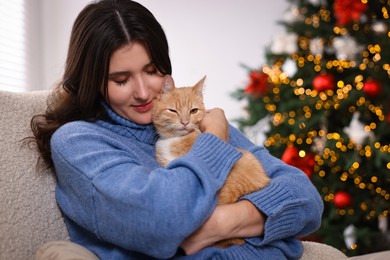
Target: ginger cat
x: 176, y: 115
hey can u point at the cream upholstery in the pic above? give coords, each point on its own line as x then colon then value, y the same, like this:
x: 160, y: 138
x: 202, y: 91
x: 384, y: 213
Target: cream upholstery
x: 29, y: 215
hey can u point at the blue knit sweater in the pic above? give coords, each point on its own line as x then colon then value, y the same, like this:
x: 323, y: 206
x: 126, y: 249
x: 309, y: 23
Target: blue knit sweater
x: 121, y: 204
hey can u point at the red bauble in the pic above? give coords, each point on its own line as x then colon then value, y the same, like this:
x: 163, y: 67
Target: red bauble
x: 372, y: 87
x: 342, y: 199
x: 324, y: 82
x: 306, y: 163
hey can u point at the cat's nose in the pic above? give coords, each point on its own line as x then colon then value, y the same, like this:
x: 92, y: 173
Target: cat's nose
x: 184, y: 123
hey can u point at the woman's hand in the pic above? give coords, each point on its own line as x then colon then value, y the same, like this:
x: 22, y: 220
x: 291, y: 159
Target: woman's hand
x: 215, y: 122
x: 237, y: 220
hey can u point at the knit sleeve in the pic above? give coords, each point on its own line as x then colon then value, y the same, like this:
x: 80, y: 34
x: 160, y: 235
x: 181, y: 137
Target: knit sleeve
x: 290, y: 201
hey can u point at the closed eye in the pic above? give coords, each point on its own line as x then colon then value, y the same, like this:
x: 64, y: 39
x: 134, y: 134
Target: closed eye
x: 194, y: 111
x: 150, y: 69
x: 172, y: 110
x: 122, y: 82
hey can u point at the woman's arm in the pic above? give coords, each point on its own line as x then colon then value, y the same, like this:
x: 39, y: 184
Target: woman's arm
x: 292, y: 207
x: 241, y: 219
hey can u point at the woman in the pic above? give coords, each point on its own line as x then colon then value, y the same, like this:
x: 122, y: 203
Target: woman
x: 117, y: 200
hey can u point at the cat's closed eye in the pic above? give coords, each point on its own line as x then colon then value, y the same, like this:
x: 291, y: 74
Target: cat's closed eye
x: 172, y: 110
x: 194, y: 110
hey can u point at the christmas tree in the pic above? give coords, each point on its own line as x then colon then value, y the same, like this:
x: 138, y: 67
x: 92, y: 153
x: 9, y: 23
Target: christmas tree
x: 321, y: 103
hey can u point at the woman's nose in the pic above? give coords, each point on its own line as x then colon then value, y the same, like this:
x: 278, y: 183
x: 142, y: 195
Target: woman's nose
x: 141, y: 89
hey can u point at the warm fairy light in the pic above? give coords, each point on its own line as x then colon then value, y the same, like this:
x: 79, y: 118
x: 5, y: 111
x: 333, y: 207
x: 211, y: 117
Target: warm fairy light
x: 315, y: 21
x: 385, y: 13
x: 319, y: 105
x: 276, y: 75
x: 360, y: 102
x: 320, y: 162
x: 362, y: 66
x: 387, y: 68
x: 277, y: 119
x: 323, y: 96
x: 299, y: 91
x: 338, y: 30
x: 374, y: 48
x: 344, y: 176
x: 355, y: 165
x: 299, y: 82
x: 376, y: 57
x: 340, y: 84
x: 340, y: 65
x: 341, y: 212
x: 301, y: 62
x: 363, y: 206
x: 270, y: 107
x: 325, y: 14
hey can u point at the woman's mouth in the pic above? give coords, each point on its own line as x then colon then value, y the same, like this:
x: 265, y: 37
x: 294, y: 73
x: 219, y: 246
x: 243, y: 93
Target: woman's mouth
x: 143, y: 107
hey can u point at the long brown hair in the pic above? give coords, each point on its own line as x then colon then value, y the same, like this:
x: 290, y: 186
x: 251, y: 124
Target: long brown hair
x: 101, y: 28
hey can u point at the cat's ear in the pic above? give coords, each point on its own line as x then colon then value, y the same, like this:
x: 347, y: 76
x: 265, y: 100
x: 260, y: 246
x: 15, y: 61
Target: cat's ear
x: 168, y: 84
x: 200, y: 86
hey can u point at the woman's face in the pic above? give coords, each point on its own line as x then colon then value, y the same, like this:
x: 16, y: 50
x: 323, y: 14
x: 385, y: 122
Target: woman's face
x: 133, y: 83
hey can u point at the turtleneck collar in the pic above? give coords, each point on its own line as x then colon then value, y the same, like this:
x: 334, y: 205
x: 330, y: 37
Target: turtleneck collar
x: 122, y: 126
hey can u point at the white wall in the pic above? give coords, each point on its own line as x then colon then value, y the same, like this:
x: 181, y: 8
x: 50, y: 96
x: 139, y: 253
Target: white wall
x: 206, y: 38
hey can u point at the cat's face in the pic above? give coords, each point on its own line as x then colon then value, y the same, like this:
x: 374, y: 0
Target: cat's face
x: 178, y: 111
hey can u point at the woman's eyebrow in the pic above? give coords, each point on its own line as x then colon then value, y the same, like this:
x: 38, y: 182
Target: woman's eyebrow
x: 151, y: 63
x: 127, y: 73
x: 119, y: 73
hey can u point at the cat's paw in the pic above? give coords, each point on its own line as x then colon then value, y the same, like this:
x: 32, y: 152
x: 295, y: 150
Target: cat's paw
x: 229, y: 242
